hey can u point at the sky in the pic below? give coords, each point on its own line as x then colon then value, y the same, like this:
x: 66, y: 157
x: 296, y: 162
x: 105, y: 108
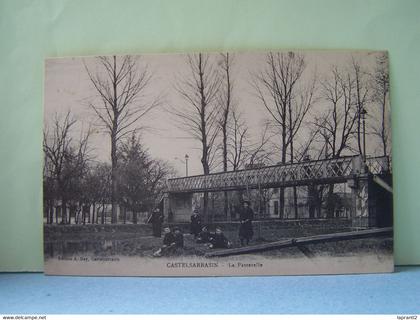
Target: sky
x: 68, y: 87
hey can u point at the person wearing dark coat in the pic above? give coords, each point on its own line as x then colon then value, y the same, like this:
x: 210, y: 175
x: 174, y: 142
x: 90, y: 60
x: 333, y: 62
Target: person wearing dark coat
x: 179, y: 238
x: 169, y: 243
x: 204, y: 235
x: 219, y: 240
x: 246, y: 215
x: 157, y: 220
x: 195, y: 225
x: 169, y: 237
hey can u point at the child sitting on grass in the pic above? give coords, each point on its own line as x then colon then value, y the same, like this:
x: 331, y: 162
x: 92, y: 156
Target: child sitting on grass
x: 219, y: 240
x: 169, y: 243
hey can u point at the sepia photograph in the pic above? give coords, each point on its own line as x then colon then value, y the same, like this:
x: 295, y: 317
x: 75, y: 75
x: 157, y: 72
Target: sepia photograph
x: 218, y: 164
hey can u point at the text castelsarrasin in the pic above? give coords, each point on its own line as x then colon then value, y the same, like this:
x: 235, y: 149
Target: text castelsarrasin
x: 192, y: 265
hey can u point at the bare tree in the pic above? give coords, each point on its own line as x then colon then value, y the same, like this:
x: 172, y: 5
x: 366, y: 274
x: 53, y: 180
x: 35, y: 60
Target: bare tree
x: 337, y: 124
x: 102, y: 192
x: 242, y: 151
x: 279, y: 90
x: 299, y: 106
x: 361, y: 100
x: 66, y: 160
x: 97, y: 190
x: 237, y: 141
x: 226, y: 105
x: 121, y: 87
x: 237, y: 149
x: 50, y: 192
x: 199, y: 115
x: 381, y: 98
x: 261, y: 151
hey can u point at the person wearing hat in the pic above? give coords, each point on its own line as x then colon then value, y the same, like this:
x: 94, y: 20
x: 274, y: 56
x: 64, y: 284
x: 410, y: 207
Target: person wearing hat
x: 179, y: 238
x: 157, y: 220
x: 168, y: 243
x: 219, y: 240
x: 195, y: 225
x: 246, y: 215
x: 204, y: 235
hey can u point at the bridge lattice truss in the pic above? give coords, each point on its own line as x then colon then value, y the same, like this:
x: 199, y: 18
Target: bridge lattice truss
x: 326, y: 171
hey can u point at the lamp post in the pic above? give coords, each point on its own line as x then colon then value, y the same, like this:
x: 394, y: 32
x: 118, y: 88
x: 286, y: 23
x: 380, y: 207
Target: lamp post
x: 186, y: 157
x: 363, y: 114
x: 186, y: 165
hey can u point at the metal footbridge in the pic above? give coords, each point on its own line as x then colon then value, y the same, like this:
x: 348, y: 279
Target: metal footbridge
x: 336, y: 170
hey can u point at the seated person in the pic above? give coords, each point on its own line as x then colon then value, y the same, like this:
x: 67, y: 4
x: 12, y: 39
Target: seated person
x: 204, y: 235
x: 169, y: 243
x: 219, y: 241
x: 179, y: 238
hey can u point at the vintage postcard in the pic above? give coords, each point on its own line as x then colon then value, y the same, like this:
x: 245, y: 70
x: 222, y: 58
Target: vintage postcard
x: 214, y: 164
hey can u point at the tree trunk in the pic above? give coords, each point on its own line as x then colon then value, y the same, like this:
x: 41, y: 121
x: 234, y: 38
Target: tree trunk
x: 311, y: 200
x: 295, y: 202
x: 134, y: 217
x: 359, y: 112
x: 383, y: 133
x: 319, y: 201
x: 103, y: 214
x: 225, y: 194
x: 330, y: 207
x: 63, y: 211
x: 224, y: 131
x: 212, y: 208
x: 226, y: 205
x: 88, y: 214
x: 205, y: 148
x: 283, y: 161
x: 51, y: 212
x: 124, y: 208
x: 76, y: 213
x: 84, y: 211
x: 93, y: 212
x: 206, y: 194
x: 47, y: 211
x: 114, y: 177
x: 70, y: 214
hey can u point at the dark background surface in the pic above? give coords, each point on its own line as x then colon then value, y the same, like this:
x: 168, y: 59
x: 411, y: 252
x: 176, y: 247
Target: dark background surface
x: 35, y: 293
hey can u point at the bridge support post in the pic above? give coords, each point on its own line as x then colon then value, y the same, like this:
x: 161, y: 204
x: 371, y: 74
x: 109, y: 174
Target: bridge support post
x: 166, y: 209
x: 363, y: 215
x: 178, y: 207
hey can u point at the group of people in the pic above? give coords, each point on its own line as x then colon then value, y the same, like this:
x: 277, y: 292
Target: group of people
x: 173, y: 240
x: 215, y: 240
x: 202, y: 235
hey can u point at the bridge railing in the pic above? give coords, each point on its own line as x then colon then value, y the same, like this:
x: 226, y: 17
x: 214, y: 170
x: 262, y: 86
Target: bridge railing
x: 302, y: 173
x: 379, y: 165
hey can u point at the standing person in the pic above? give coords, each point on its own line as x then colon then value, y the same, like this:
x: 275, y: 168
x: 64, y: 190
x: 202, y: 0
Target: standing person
x: 195, y: 225
x: 157, y: 220
x: 246, y: 215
